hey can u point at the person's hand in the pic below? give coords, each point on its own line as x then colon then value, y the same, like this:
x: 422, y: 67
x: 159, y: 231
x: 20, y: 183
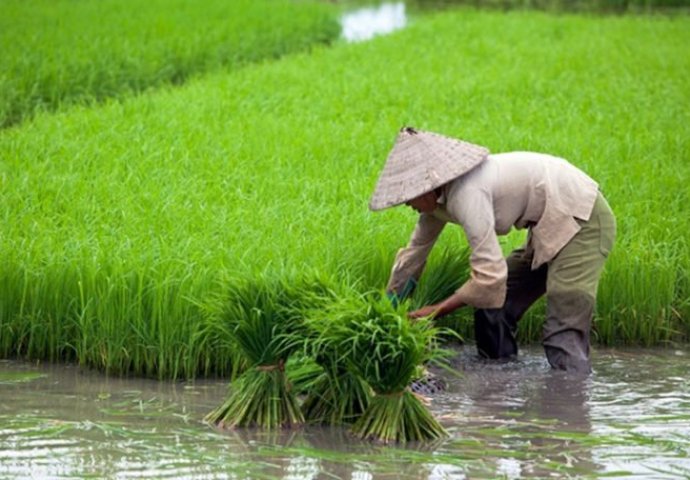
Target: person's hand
x: 426, y: 311
x: 441, y: 309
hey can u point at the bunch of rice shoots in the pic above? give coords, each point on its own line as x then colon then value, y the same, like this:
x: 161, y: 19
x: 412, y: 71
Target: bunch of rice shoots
x: 338, y: 395
x: 265, y: 328
x: 383, y: 347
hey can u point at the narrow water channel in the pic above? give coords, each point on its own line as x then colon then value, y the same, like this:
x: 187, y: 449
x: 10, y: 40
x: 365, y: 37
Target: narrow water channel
x: 630, y: 419
x: 365, y: 23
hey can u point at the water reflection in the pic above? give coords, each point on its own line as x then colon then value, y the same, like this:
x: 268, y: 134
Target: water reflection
x: 365, y: 23
x: 523, y: 412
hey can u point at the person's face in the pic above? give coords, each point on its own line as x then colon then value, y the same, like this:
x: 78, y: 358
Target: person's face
x: 425, y: 203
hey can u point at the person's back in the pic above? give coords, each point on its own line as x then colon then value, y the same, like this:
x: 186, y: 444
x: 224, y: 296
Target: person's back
x: 523, y: 189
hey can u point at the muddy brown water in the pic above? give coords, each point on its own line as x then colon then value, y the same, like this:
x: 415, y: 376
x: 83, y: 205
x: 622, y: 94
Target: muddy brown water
x: 630, y: 419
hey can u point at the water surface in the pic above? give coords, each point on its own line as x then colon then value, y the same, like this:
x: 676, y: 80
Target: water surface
x: 365, y: 23
x: 630, y: 419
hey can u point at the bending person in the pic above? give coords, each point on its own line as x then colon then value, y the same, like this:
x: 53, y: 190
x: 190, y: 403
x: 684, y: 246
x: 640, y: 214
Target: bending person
x: 571, y: 231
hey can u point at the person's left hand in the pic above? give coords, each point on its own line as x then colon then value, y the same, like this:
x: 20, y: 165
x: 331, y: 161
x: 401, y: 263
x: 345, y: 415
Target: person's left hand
x: 441, y: 309
x: 426, y: 311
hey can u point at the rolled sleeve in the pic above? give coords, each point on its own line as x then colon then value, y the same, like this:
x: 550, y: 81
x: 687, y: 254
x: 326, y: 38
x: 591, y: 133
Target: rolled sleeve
x: 487, y: 285
x: 410, y: 261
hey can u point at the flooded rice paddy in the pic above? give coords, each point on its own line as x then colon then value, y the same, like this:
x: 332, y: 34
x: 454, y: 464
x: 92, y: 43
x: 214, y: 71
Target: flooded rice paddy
x: 630, y: 419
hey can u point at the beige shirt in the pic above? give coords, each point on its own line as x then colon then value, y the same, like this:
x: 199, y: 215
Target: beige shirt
x: 518, y: 189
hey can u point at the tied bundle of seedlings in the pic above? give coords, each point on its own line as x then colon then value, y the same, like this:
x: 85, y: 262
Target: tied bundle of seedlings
x: 382, y: 346
x: 265, y: 329
x: 338, y: 395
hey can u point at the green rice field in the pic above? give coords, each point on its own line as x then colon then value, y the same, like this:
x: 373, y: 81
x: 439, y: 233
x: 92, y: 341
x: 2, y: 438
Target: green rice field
x: 61, y: 52
x: 125, y: 224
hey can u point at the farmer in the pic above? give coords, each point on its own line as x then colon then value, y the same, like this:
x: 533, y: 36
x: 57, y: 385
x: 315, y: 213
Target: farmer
x: 571, y: 230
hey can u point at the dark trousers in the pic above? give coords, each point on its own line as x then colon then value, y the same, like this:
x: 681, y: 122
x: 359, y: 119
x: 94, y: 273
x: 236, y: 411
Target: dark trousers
x: 570, y: 283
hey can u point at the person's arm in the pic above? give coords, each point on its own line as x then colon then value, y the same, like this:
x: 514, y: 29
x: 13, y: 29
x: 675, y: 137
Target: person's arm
x: 410, y: 261
x: 486, y: 287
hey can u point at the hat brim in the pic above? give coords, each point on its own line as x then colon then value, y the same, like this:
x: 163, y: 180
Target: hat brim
x: 421, y: 162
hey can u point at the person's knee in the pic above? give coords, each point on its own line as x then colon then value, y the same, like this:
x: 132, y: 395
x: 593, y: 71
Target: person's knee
x: 570, y: 309
x: 572, y: 298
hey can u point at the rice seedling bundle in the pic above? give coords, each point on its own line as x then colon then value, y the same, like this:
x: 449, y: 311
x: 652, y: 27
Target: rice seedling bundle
x: 338, y: 395
x: 334, y: 395
x: 265, y: 330
x: 386, y: 350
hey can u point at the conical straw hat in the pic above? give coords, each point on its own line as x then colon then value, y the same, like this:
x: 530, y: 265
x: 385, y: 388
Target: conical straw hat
x: 420, y: 162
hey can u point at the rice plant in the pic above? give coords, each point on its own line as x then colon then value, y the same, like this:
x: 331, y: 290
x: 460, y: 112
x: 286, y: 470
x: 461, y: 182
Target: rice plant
x: 264, y: 319
x: 264, y: 328
x: 384, y: 348
x: 337, y: 395
x: 60, y: 52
